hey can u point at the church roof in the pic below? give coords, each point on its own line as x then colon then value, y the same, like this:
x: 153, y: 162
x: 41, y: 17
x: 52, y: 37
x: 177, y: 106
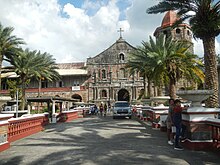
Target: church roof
x: 107, y: 56
x: 169, y: 19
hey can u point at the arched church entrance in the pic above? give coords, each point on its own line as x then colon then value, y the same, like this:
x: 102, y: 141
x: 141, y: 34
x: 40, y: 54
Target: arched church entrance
x: 123, y: 95
x: 77, y: 96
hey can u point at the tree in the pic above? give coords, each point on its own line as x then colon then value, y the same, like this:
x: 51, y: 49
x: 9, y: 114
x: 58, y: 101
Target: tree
x: 138, y: 62
x: 168, y: 60
x: 47, y: 69
x: 33, y: 64
x: 173, y: 61
x: 9, y: 45
x: 205, y: 24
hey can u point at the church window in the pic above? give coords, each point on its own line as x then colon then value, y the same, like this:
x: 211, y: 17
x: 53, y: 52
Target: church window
x: 44, y: 84
x: 61, y: 84
x: 99, y: 74
x: 165, y: 32
x: 103, y: 94
x: 103, y: 73
x: 188, y: 32
x: 178, y: 31
x: 76, y: 82
x: 4, y: 86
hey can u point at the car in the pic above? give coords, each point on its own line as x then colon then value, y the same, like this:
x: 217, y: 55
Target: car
x: 122, y: 109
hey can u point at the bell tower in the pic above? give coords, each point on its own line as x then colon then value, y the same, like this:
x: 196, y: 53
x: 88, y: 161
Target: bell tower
x: 179, y: 32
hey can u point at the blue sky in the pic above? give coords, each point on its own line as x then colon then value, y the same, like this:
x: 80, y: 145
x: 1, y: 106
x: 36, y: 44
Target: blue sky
x: 73, y: 30
x: 121, y: 4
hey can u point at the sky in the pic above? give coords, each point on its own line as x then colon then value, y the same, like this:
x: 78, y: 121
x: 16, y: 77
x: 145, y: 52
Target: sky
x: 74, y: 30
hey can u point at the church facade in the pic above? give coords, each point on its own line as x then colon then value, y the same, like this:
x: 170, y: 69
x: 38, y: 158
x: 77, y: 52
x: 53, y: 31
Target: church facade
x: 110, y: 80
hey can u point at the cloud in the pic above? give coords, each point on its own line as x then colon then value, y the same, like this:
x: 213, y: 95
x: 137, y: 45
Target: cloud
x: 73, y: 34
x: 142, y: 25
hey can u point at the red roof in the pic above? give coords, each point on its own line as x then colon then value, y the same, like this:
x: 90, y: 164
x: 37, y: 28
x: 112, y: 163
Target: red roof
x: 169, y: 19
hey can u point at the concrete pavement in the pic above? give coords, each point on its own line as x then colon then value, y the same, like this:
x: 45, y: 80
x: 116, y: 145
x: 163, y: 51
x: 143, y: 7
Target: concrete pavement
x: 100, y: 141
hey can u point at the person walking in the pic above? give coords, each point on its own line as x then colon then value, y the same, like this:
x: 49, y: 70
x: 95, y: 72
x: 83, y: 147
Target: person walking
x: 105, y: 109
x: 169, y: 122
x: 177, y: 121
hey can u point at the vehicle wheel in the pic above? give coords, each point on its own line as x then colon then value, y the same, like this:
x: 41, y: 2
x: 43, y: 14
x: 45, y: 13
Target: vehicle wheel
x: 113, y: 117
x: 129, y: 117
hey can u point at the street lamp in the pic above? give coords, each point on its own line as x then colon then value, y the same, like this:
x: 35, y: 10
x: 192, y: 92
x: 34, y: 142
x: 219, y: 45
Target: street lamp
x: 17, y: 103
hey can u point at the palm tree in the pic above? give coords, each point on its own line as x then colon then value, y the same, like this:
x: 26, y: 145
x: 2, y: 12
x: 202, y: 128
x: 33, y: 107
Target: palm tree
x: 138, y: 62
x: 205, y: 24
x: 47, y: 68
x: 168, y: 61
x: 33, y: 64
x: 174, y: 61
x: 9, y: 45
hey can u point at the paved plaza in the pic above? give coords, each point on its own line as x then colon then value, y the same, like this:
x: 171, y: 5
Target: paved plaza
x: 101, y: 141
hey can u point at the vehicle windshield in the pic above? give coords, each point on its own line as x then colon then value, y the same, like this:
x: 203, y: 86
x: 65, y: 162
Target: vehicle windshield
x: 121, y: 104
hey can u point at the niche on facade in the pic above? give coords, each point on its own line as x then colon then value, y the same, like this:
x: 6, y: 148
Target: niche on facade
x: 122, y: 73
x: 123, y: 95
x: 103, y: 74
x: 121, y: 57
x: 78, y: 97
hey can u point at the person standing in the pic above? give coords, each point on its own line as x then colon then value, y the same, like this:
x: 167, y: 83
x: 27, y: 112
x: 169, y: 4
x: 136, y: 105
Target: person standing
x: 105, y: 109
x: 101, y: 109
x: 169, y: 122
x: 96, y: 109
x: 177, y: 121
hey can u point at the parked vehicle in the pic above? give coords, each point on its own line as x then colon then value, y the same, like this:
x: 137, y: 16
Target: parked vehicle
x: 11, y: 108
x: 122, y: 109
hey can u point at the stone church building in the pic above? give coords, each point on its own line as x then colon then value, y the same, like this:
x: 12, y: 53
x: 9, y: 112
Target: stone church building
x: 110, y: 81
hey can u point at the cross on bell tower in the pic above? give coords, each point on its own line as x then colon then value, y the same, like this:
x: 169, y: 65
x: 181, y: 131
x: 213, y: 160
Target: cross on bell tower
x: 120, y: 31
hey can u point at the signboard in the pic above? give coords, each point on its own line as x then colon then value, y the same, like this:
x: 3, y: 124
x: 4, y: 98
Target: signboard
x: 75, y: 88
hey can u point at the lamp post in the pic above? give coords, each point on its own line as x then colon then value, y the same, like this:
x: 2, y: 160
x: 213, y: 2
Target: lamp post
x: 94, y: 85
x: 110, y: 82
x: 17, y: 103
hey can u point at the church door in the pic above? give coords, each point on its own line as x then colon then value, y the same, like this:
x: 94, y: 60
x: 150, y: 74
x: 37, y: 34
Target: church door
x: 123, y: 95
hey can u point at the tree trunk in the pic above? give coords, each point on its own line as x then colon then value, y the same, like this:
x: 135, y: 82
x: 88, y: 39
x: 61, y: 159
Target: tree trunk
x: 160, y: 90
x: 1, y: 59
x: 23, y: 95
x: 149, y: 87
x: 39, y: 91
x: 172, y: 88
x: 39, y: 87
x: 144, y: 79
x: 211, y: 73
